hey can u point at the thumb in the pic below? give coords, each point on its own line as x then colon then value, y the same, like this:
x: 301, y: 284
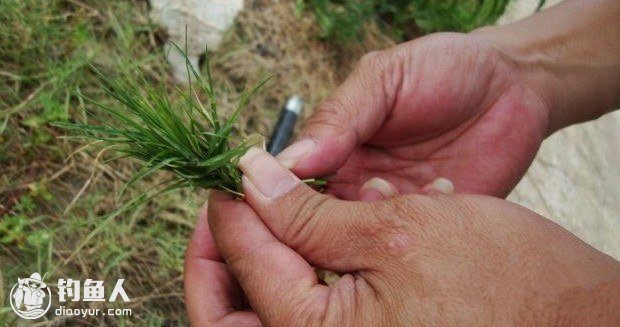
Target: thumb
x: 278, y: 283
x: 329, y: 233
x: 346, y: 119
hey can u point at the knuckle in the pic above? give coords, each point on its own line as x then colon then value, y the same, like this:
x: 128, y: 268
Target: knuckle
x: 370, y: 66
x: 306, y: 313
x: 332, y: 112
x: 371, y: 58
x: 392, y: 228
x: 388, y: 219
x: 306, y: 210
x: 415, y: 210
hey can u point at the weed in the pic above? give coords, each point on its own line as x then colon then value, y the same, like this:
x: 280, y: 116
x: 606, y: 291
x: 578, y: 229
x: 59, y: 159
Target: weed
x: 45, y: 47
x: 171, y: 138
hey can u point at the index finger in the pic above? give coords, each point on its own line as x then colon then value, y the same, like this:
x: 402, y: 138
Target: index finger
x: 347, y: 118
x: 211, y: 293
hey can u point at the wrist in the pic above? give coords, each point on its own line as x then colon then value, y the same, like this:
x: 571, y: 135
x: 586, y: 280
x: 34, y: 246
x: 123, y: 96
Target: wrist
x: 567, y: 55
x: 532, y: 70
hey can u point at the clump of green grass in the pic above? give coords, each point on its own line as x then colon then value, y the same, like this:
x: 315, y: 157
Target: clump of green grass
x: 190, y: 140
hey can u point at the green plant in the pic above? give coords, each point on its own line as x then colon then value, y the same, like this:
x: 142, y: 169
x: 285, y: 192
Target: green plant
x: 174, y: 139
x: 59, y: 215
x: 344, y: 20
x: 38, y: 68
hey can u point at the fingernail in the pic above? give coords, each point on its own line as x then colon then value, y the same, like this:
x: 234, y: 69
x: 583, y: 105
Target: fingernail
x: 442, y: 185
x: 293, y: 154
x: 377, y: 189
x: 268, y: 175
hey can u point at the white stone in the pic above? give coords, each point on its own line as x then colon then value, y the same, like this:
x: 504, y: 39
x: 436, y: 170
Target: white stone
x: 203, y: 22
x: 518, y: 9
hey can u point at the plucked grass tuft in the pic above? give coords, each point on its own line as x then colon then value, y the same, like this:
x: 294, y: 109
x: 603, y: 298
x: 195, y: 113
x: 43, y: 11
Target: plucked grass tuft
x: 191, y: 140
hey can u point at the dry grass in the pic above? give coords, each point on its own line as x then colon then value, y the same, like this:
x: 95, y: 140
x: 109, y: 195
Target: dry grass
x: 270, y: 39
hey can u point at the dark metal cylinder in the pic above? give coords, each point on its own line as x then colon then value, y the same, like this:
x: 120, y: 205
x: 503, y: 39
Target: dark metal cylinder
x: 285, y: 125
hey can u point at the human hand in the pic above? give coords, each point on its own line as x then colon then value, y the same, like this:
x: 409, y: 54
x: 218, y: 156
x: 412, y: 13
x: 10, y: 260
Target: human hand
x: 411, y: 260
x: 472, y: 108
x: 446, y: 105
